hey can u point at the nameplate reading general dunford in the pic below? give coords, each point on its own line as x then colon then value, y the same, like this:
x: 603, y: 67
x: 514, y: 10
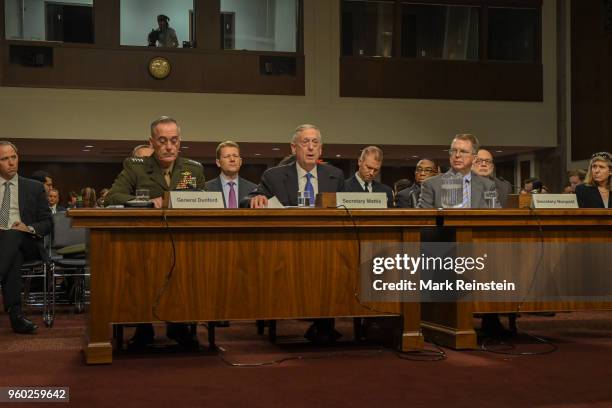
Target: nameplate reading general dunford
x: 196, y: 199
x: 554, y: 201
x: 361, y: 200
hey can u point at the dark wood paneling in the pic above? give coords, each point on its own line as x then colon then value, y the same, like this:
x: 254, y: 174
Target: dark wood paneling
x: 591, y: 63
x: 208, y: 24
x: 74, y: 176
x: 440, y: 79
x: 106, y: 22
x: 126, y: 68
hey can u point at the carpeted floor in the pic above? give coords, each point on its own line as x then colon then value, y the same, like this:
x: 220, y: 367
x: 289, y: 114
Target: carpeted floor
x: 577, y: 374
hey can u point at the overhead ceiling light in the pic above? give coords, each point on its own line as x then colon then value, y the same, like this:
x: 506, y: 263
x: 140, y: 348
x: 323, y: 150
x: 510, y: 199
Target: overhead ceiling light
x: 257, y: 154
x: 415, y: 157
x: 499, y: 151
x: 88, y: 146
x: 276, y: 149
x: 338, y: 155
x: 184, y: 147
x: 86, y: 150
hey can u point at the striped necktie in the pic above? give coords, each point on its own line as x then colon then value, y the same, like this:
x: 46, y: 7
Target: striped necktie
x: 6, y: 205
x: 466, y: 194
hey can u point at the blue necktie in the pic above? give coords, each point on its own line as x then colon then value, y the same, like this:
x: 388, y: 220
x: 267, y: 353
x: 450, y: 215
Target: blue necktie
x: 308, y: 187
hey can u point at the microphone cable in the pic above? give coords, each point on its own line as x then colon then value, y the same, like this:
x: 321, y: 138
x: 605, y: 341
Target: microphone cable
x: 170, y: 273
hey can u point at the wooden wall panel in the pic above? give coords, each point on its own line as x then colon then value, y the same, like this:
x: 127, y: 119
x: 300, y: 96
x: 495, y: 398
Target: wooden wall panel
x: 125, y: 68
x: 591, y: 92
x: 106, y: 23
x: 438, y: 79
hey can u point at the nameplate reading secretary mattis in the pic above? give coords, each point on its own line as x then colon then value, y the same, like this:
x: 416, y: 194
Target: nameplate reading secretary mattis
x: 195, y: 199
x: 361, y: 200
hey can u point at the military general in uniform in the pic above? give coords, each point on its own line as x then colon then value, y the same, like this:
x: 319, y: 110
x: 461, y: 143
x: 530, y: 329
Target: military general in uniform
x: 163, y: 171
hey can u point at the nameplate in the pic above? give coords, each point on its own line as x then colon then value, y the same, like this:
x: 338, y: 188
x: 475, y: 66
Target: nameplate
x: 196, y: 199
x: 554, y: 201
x: 361, y: 200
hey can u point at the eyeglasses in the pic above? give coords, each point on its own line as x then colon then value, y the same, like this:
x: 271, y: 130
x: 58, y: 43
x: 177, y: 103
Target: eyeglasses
x: 162, y: 141
x: 602, y: 154
x: 426, y: 170
x: 306, y: 142
x: 488, y: 162
x: 454, y: 152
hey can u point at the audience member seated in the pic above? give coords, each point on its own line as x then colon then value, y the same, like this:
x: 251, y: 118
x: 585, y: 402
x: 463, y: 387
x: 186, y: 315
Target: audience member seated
x: 595, y: 191
x: 233, y: 187
x: 54, y: 201
x: 409, y: 198
x: 484, y: 166
x: 163, y: 35
x: 88, y: 195
x: 25, y: 218
x: 43, y: 177
x: 575, y: 177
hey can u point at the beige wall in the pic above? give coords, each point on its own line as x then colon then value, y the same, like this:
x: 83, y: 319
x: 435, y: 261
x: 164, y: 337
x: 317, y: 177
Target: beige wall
x: 49, y: 113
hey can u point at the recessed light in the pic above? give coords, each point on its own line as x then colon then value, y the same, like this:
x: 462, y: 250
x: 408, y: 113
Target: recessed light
x: 276, y: 149
x: 86, y: 150
x: 415, y: 157
x: 338, y: 155
x: 445, y: 150
x: 257, y: 154
x: 184, y: 147
x: 88, y: 146
x: 499, y: 151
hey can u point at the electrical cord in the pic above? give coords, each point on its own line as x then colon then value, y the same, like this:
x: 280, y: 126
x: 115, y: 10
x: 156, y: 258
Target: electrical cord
x: 508, y: 347
x: 170, y: 272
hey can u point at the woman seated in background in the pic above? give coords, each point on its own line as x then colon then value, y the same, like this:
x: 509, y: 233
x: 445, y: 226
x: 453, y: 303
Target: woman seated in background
x: 89, y: 197
x: 595, y: 191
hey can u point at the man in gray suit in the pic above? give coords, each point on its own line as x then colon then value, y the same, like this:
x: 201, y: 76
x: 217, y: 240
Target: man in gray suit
x: 462, y: 152
x: 233, y: 187
x: 485, y: 166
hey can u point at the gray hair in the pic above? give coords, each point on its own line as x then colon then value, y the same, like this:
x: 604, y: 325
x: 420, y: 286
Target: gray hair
x: 301, y: 128
x: 469, y: 138
x: 372, y: 150
x: 163, y: 119
x: 7, y: 143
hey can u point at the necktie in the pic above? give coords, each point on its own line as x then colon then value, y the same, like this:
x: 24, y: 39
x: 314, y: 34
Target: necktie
x: 366, y: 189
x: 6, y: 205
x: 232, y: 202
x: 466, y: 194
x: 167, y: 177
x: 308, y: 187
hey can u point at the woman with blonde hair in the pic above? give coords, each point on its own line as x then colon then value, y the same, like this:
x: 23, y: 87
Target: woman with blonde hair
x: 595, y: 192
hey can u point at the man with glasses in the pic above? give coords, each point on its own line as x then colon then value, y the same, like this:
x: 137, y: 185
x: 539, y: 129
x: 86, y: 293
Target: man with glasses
x: 233, y: 187
x: 163, y: 171
x: 485, y: 166
x: 462, y: 152
x: 409, y: 197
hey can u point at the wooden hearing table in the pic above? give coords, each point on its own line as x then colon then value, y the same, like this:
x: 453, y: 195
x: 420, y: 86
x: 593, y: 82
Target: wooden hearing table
x: 452, y: 324
x: 236, y: 265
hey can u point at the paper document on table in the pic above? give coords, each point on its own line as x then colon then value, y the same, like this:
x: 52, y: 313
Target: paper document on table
x: 274, y: 203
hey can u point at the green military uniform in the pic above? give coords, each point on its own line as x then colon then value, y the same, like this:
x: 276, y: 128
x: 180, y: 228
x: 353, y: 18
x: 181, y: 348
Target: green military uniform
x: 146, y: 173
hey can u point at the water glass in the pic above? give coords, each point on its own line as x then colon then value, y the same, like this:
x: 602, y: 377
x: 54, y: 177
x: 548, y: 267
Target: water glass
x: 142, y: 194
x: 304, y: 199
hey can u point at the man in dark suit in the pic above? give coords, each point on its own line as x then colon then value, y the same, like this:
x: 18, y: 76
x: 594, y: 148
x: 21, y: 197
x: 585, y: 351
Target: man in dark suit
x: 307, y: 174
x: 24, y: 218
x: 284, y: 182
x: 462, y: 153
x: 233, y: 187
x: 409, y: 197
x: 363, y: 180
x: 484, y: 166
x: 54, y: 201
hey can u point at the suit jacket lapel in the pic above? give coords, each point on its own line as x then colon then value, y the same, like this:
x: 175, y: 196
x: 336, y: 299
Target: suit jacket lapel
x: 156, y: 173
x: 325, y: 182
x: 477, y: 192
x: 291, y: 185
x: 22, y: 199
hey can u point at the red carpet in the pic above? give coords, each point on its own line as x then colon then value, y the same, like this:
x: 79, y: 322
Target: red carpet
x: 578, y: 374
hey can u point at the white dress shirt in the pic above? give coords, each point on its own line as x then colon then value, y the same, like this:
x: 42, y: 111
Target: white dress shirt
x: 362, y: 183
x: 314, y: 180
